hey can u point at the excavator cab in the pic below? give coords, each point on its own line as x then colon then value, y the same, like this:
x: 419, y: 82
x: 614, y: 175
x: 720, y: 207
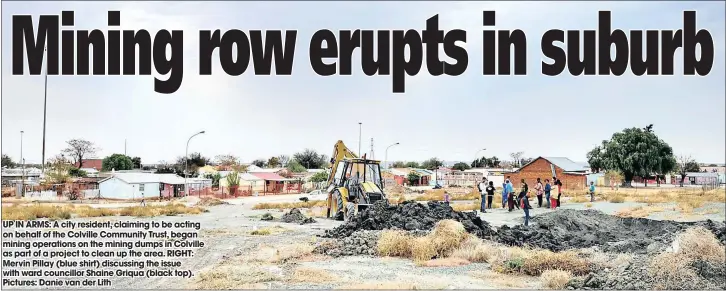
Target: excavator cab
x: 356, y: 180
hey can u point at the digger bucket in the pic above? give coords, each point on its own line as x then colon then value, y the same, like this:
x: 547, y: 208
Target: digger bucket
x: 362, y: 207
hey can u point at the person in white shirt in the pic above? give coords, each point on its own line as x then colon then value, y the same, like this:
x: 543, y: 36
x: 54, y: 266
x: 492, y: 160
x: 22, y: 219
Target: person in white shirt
x: 482, y: 190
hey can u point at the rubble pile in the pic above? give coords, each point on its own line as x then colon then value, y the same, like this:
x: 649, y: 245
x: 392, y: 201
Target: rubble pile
x: 267, y: 217
x: 295, y: 216
x: 410, y: 216
x: 360, y: 243
x: 570, y: 229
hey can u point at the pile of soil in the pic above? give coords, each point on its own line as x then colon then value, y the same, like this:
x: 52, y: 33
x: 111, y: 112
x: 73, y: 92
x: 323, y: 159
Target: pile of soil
x: 360, y: 243
x: 295, y: 216
x: 210, y: 201
x: 570, y: 229
x: 410, y: 216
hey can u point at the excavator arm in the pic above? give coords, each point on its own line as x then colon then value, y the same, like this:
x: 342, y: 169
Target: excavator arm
x: 340, y: 151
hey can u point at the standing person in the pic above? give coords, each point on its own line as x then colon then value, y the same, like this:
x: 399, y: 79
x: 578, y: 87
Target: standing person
x: 539, y: 188
x: 446, y: 198
x: 143, y: 201
x: 526, y: 207
x: 504, y: 194
x: 547, y: 190
x: 523, y: 192
x: 558, y: 183
x: 490, y: 194
x: 592, y: 191
x: 482, y: 190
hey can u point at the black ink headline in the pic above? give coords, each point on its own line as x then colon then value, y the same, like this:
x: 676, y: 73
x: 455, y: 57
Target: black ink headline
x: 382, y: 52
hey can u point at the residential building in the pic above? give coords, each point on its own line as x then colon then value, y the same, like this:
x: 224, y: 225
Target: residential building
x: 138, y: 185
x: 698, y: 178
x: 90, y: 172
x: 91, y: 163
x: 572, y: 175
x: 12, y: 176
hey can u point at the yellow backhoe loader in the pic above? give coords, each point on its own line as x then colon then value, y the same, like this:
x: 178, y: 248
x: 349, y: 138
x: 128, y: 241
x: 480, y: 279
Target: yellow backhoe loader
x: 354, y: 183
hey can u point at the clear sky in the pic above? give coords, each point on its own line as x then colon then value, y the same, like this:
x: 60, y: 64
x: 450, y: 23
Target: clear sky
x: 446, y: 117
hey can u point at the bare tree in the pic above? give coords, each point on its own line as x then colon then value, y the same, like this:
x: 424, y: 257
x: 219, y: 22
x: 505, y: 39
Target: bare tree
x: 283, y: 159
x: 686, y: 164
x: 517, y: 158
x: 227, y: 160
x: 79, y: 148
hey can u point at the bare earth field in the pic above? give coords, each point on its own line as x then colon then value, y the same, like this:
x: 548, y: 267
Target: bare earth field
x: 282, y: 255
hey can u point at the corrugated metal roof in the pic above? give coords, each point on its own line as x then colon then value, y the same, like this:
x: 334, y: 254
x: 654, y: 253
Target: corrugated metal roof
x: 269, y: 176
x: 249, y: 177
x: 137, y: 178
x: 565, y: 164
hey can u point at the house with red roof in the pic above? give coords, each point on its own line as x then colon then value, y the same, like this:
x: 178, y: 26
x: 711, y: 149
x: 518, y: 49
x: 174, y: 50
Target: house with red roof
x: 276, y: 184
x: 96, y: 164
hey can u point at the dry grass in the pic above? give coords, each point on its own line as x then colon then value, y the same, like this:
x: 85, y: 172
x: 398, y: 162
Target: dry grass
x: 447, y: 235
x: 210, y: 201
x: 233, y: 277
x: 672, y: 269
x: 290, y: 205
x: 438, y: 195
x: 474, y: 250
x: 171, y: 209
x: 312, y: 275
x: 616, y: 198
x: 555, y: 279
x: 280, y: 253
x: 315, y: 212
x: 32, y: 212
x: 502, y: 280
x: 580, y: 199
x: 541, y: 261
x: 466, y: 206
x: 639, y: 211
x: 269, y: 230
x: 86, y: 211
x: 395, y: 243
x: 443, y: 262
x: 588, y: 205
x: 700, y: 244
x: 422, y: 249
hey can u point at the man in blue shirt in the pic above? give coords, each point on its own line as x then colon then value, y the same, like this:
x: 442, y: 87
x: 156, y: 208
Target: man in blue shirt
x: 592, y: 191
x: 504, y: 194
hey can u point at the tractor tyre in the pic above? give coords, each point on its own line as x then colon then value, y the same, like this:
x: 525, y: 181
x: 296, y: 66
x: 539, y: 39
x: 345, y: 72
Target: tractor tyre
x: 339, y: 211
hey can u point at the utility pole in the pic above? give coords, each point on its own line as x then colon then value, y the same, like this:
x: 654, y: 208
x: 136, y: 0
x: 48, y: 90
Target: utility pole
x: 360, y: 128
x: 45, y: 103
x: 372, y: 156
x: 125, y: 147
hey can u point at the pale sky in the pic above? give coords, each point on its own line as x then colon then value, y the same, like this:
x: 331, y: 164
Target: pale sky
x: 446, y: 117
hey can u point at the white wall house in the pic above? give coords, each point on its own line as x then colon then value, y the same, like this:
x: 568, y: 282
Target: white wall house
x: 134, y: 185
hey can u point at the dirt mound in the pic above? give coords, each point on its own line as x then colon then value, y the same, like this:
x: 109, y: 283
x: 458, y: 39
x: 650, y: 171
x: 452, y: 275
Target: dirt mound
x: 409, y: 216
x: 210, y: 201
x: 295, y: 216
x: 569, y: 229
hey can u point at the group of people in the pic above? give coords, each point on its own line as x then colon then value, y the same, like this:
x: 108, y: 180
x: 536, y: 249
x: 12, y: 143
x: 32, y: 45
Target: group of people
x: 521, y: 201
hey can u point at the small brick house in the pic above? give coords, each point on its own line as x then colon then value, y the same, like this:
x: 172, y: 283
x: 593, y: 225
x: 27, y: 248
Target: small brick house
x: 91, y: 163
x: 572, y: 175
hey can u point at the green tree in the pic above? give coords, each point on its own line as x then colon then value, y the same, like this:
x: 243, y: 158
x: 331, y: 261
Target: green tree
x: 7, y: 162
x: 517, y: 158
x: 432, y: 163
x: 310, y: 159
x: 594, y: 158
x: 319, y: 177
x: 461, y: 166
x: 273, y: 162
x: 79, y: 148
x: 215, y: 178
x: 398, y: 164
x: 58, y: 169
x: 635, y: 151
x: 413, y: 178
x: 295, y: 166
x: 137, y: 162
x: 485, y: 162
x: 233, y: 179
x: 117, y: 162
x: 259, y: 162
x: 412, y: 165
x: 76, y: 172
